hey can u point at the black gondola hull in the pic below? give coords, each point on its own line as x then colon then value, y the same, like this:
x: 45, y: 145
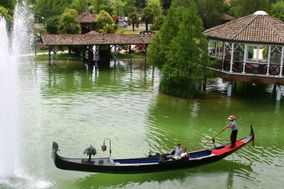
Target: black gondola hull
x: 148, y: 164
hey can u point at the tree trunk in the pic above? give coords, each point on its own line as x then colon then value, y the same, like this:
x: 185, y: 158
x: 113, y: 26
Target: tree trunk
x: 146, y: 24
x: 104, y: 56
x: 133, y: 25
x: 90, y: 156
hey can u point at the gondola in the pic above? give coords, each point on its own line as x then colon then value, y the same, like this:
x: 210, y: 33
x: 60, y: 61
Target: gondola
x: 152, y: 163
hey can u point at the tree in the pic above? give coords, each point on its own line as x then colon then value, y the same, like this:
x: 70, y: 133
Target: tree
x: 51, y: 24
x: 81, y: 5
x: 179, y: 50
x: 241, y: 8
x: 5, y: 13
x: 158, y: 22
x: 90, y: 151
x: 105, y: 22
x: 151, y: 11
x: 8, y: 4
x: 183, y: 70
x: 159, y: 47
x: 99, y: 5
x: 211, y: 12
x: 133, y: 19
x: 51, y: 8
x: 117, y: 7
x: 129, y: 7
x: 277, y: 10
x: 68, y: 23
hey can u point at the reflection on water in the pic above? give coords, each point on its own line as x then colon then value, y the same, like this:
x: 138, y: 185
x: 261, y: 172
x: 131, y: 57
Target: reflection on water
x: 172, y: 179
x: 77, y: 108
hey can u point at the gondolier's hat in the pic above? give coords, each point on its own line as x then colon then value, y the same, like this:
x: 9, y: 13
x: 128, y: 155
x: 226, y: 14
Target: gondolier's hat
x: 231, y: 117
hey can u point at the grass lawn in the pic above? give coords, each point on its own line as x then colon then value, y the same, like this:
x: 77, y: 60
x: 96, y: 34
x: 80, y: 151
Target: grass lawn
x: 128, y: 31
x: 58, y: 57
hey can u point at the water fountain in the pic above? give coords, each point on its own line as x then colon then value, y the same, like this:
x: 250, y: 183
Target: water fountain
x: 10, y: 49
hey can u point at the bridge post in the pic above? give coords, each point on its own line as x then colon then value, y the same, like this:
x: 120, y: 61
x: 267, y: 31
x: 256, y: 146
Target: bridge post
x: 90, y: 58
x: 114, y: 57
x: 96, y: 58
x: 49, y: 55
x: 130, y: 53
x: 54, y: 56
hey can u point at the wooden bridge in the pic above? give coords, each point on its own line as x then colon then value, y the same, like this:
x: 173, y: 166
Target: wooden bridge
x: 89, y: 40
x: 95, y: 39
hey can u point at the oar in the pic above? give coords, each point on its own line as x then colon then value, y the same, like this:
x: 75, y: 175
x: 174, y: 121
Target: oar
x: 212, y: 138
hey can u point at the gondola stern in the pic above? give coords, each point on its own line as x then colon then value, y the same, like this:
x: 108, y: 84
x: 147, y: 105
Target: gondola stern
x: 252, y: 135
x: 54, y: 149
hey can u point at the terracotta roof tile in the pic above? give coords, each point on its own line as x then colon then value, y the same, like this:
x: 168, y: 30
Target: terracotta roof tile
x: 87, y: 17
x: 95, y: 39
x: 251, y: 28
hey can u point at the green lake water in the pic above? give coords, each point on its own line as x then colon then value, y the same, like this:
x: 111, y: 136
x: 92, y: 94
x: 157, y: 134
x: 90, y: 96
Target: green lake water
x: 77, y: 108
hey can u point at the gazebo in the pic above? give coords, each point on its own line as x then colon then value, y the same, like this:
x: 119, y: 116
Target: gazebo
x: 249, y: 49
x: 87, y: 22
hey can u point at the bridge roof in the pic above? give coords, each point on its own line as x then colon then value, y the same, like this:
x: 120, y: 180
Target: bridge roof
x: 95, y: 39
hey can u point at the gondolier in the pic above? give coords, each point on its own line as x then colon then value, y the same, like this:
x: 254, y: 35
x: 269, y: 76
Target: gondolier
x: 234, y: 127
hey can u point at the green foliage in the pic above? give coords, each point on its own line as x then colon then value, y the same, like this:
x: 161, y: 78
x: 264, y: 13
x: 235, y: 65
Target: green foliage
x: 99, y: 5
x: 129, y: 7
x: 180, y: 51
x: 117, y: 7
x: 105, y: 22
x: 5, y: 13
x: 155, y: 6
x: 133, y: 19
x: 68, y: 23
x: 151, y: 11
x: 81, y: 5
x: 51, y: 24
x: 159, y: 46
x: 277, y: 10
x: 129, y: 10
x: 8, y: 4
x: 158, y: 22
x: 211, y: 11
x: 51, y: 8
x: 109, y: 28
x: 244, y: 7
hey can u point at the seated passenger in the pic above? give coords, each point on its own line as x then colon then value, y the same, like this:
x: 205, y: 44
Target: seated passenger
x: 177, y: 151
x: 184, y: 153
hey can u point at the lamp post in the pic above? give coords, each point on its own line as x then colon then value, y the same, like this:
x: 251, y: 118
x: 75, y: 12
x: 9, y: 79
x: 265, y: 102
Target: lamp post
x: 104, y: 146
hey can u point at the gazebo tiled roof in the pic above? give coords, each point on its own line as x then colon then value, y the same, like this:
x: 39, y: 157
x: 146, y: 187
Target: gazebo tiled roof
x: 255, y: 28
x: 95, y: 39
x: 87, y: 17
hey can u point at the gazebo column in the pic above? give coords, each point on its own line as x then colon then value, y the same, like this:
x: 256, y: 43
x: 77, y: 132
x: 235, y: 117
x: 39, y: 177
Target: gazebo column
x: 232, y: 57
x: 245, y: 59
x: 223, y: 55
x: 49, y: 55
x: 229, y: 89
x: 268, y: 60
x: 281, y: 62
x: 278, y: 93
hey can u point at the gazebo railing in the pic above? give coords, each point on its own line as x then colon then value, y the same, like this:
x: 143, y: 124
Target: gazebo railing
x: 255, y: 68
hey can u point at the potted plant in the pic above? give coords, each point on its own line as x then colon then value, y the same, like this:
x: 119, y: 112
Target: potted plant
x: 90, y: 151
